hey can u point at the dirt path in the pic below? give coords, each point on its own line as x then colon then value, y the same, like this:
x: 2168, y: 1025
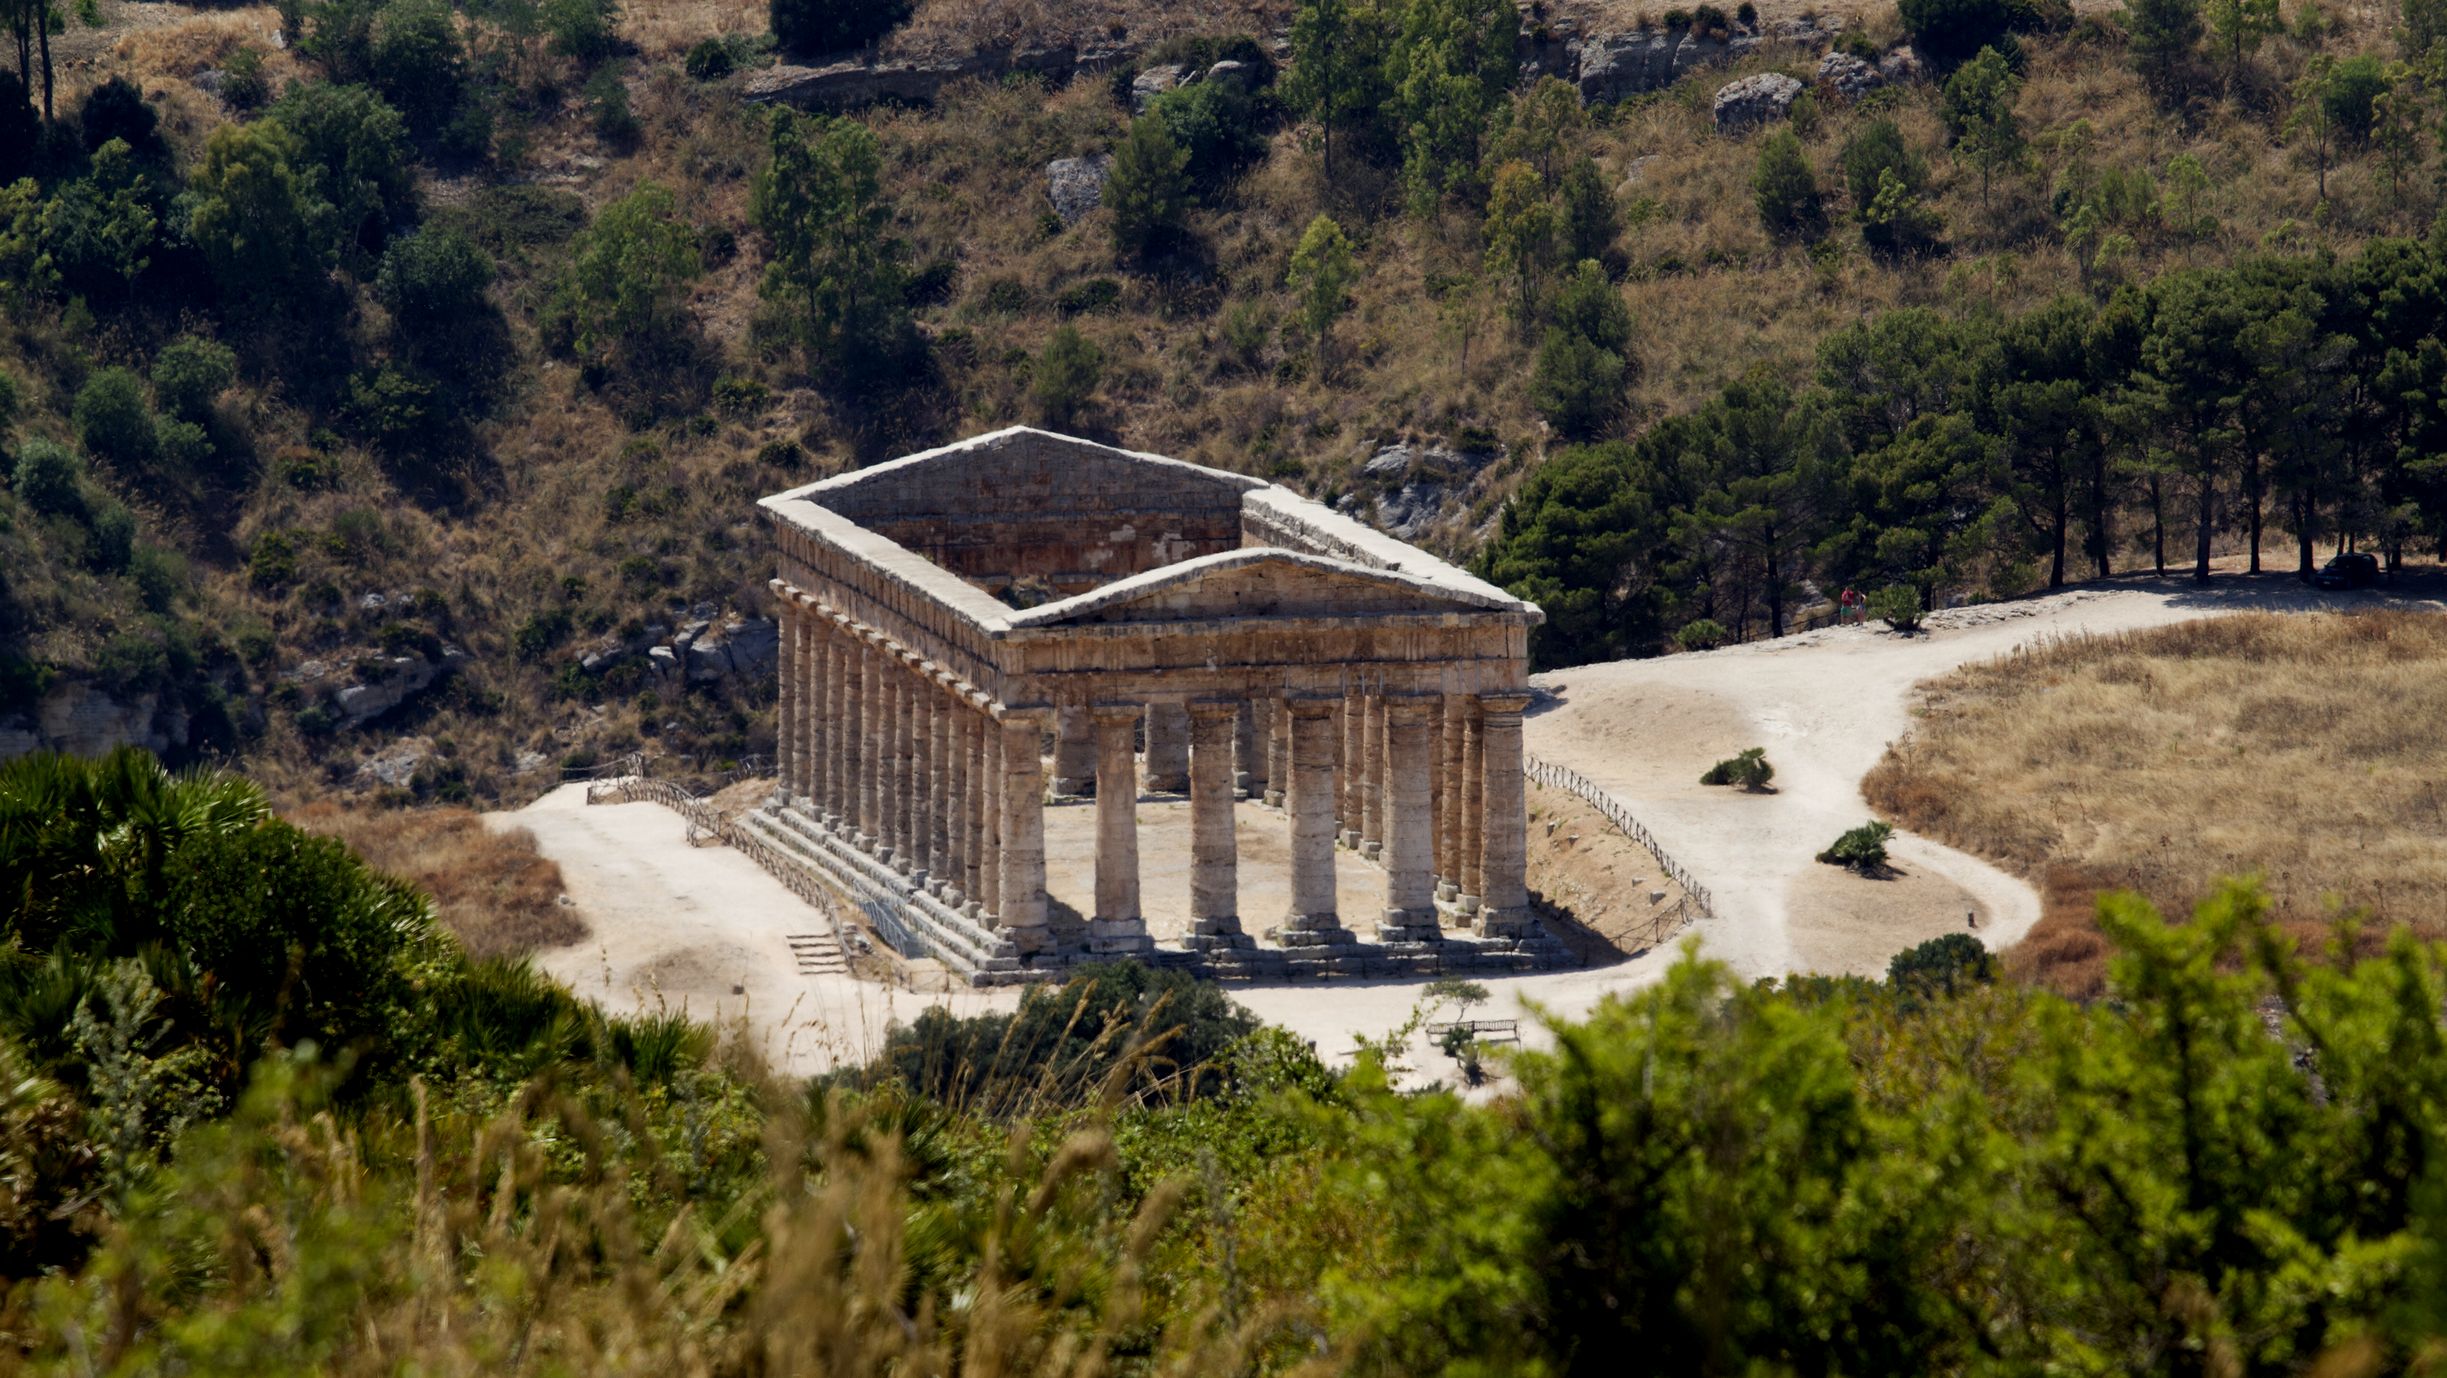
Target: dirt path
x: 1825, y: 704
x: 704, y: 929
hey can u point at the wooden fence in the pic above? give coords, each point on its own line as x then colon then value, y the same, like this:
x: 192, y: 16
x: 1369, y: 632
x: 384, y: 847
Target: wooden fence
x: 1696, y: 901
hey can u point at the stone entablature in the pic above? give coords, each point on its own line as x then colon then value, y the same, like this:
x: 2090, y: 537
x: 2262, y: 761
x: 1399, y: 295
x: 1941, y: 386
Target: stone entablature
x: 1261, y: 645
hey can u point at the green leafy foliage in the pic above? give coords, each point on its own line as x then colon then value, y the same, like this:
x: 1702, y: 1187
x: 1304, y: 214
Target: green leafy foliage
x: 113, y: 419
x: 1951, y: 31
x: 1066, y: 376
x: 189, y: 376
x: 1943, y: 967
x: 258, y: 221
x: 629, y: 272
x: 45, y: 478
x: 1859, y: 849
x: 1323, y: 269
x: 836, y: 266
x: 1748, y: 769
x: 1149, y: 192
x: 1899, y: 607
x: 1790, y: 205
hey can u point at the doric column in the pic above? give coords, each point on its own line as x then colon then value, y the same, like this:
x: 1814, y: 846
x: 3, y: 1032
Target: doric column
x: 842, y: 678
x: 1022, y: 911
x: 1278, y: 753
x: 1504, y: 816
x: 1245, y: 765
x: 1168, y: 748
x: 1214, y: 849
x: 1410, y: 836
x: 873, y: 746
x: 1118, y: 925
x: 1312, y: 920
x: 1261, y: 749
x: 786, y: 699
x: 1372, y: 777
x: 943, y: 796
x: 989, y: 886
x: 1448, y: 799
x: 1473, y: 803
x: 897, y: 793
x: 1349, y: 717
x: 1074, y: 753
x: 969, y: 717
x: 813, y: 720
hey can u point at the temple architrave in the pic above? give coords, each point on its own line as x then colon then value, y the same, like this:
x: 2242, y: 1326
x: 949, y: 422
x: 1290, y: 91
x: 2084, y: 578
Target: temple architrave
x: 1023, y: 618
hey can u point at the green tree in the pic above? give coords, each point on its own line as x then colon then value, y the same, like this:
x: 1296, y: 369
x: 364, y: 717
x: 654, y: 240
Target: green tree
x: 1979, y: 114
x: 2238, y: 26
x: 256, y: 220
x: 1768, y: 485
x: 27, y: 271
x: 2037, y: 396
x: 1583, y: 364
x: 1947, y: 32
x: 2315, y: 115
x: 2161, y: 37
x: 1337, y: 74
x: 433, y: 283
x: 1790, y: 206
x: 1874, y: 150
x: 190, y: 374
x: 835, y: 264
x: 1573, y: 540
x: 1524, y: 234
x: 629, y: 272
x: 46, y: 478
x: 352, y: 147
x: 101, y: 228
x: 1323, y: 268
x: 1449, y: 67
x: 417, y: 61
x: 1066, y: 376
x: 1149, y: 191
x: 1898, y: 221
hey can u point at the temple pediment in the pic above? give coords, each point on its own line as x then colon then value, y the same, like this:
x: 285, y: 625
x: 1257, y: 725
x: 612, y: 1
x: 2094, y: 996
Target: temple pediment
x: 1261, y: 583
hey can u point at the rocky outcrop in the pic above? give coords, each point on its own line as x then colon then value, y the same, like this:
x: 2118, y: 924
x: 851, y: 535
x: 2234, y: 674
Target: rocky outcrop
x: 86, y: 720
x: 1418, y: 480
x: 700, y: 652
x: 1076, y: 186
x: 1754, y: 101
x: 736, y: 648
x: 1614, y: 67
x: 1900, y: 66
x: 1154, y: 82
x: 1849, y: 76
x: 361, y: 690
x: 846, y: 85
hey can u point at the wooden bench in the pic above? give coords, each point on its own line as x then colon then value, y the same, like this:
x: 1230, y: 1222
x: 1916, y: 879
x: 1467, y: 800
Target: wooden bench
x: 1487, y: 1030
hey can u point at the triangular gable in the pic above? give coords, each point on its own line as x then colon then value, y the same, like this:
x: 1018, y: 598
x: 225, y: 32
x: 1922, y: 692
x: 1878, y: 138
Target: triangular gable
x: 1258, y: 583
x: 1024, y: 470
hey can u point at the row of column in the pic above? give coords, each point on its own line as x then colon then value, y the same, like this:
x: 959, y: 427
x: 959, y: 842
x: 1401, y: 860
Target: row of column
x: 941, y: 784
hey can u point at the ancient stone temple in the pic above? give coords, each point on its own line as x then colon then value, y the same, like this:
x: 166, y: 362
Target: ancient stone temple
x: 979, y: 633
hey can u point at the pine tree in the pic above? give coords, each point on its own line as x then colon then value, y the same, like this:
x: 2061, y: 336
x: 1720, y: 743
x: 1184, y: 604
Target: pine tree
x: 1149, y: 192
x: 1790, y: 205
x: 1979, y: 113
x: 836, y: 263
x: 1322, y: 271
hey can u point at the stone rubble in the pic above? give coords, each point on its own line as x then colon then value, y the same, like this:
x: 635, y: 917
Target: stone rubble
x: 1755, y: 100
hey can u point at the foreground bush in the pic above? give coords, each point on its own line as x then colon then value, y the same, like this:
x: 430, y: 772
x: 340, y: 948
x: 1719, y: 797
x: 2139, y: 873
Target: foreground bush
x: 1860, y: 849
x: 1749, y: 770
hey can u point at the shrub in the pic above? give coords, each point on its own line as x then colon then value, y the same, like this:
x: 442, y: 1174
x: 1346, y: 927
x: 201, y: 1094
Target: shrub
x: 582, y: 30
x: 1066, y: 375
x: 243, y: 83
x: 419, y: 64
x: 111, y: 532
x: 827, y: 26
x: 2351, y: 94
x: 710, y: 59
x: 46, y: 477
x: 1861, y: 849
x: 10, y: 400
x: 191, y: 374
x: 1942, y: 966
x: 1790, y: 206
x: 113, y: 420
x: 271, y: 562
x: 1702, y: 634
x: 184, y: 445
x: 1899, y: 607
x: 607, y: 99
x: 1898, y: 222
x: 352, y: 149
x: 117, y: 110
x: 1576, y: 385
x: 1086, y: 298
x: 433, y: 283
x: 1749, y: 770
x: 1220, y: 129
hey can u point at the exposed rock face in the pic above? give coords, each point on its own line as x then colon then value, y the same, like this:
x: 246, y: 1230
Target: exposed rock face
x: 1077, y: 185
x: 1900, y: 66
x: 1754, y: 101
x: 1849, y: 76
x: 740, y: 648
x: 85, y: 720
x: 843, y: 85
x: 395, y: 765
x: 1154, y: 82
x: 363, y: 690
x: 1613, y: 67
x: 1422, y: 475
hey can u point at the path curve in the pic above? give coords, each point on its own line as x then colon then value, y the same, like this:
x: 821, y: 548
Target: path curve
x: 1826, y: 704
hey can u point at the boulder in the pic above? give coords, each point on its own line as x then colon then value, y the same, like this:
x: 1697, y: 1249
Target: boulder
x: 1229, y: 73
x: 1900, y: 66
x: 1754, y: 101
x: 395, y: 765
x: 392, y: 681
x: 1153, y: 82
x: 1849, y: 76
x: 738, y: 648
x: 1077, y: 185
x: 663, y: 661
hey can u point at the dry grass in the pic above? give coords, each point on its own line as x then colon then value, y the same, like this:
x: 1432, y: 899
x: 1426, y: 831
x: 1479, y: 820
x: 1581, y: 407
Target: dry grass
x: 490, y: 889
x: 2302, y: 748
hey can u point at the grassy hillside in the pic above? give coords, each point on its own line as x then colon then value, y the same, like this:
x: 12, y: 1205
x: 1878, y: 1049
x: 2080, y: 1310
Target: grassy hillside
x: 514, y: 485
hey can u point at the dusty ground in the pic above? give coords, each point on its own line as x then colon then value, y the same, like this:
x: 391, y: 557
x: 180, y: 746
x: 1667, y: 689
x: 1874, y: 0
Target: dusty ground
x: 1825, y: 704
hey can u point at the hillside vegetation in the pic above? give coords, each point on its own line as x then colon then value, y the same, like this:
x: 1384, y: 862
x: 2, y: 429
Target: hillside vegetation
x: 478, y: 330
x: 258, y: 1114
